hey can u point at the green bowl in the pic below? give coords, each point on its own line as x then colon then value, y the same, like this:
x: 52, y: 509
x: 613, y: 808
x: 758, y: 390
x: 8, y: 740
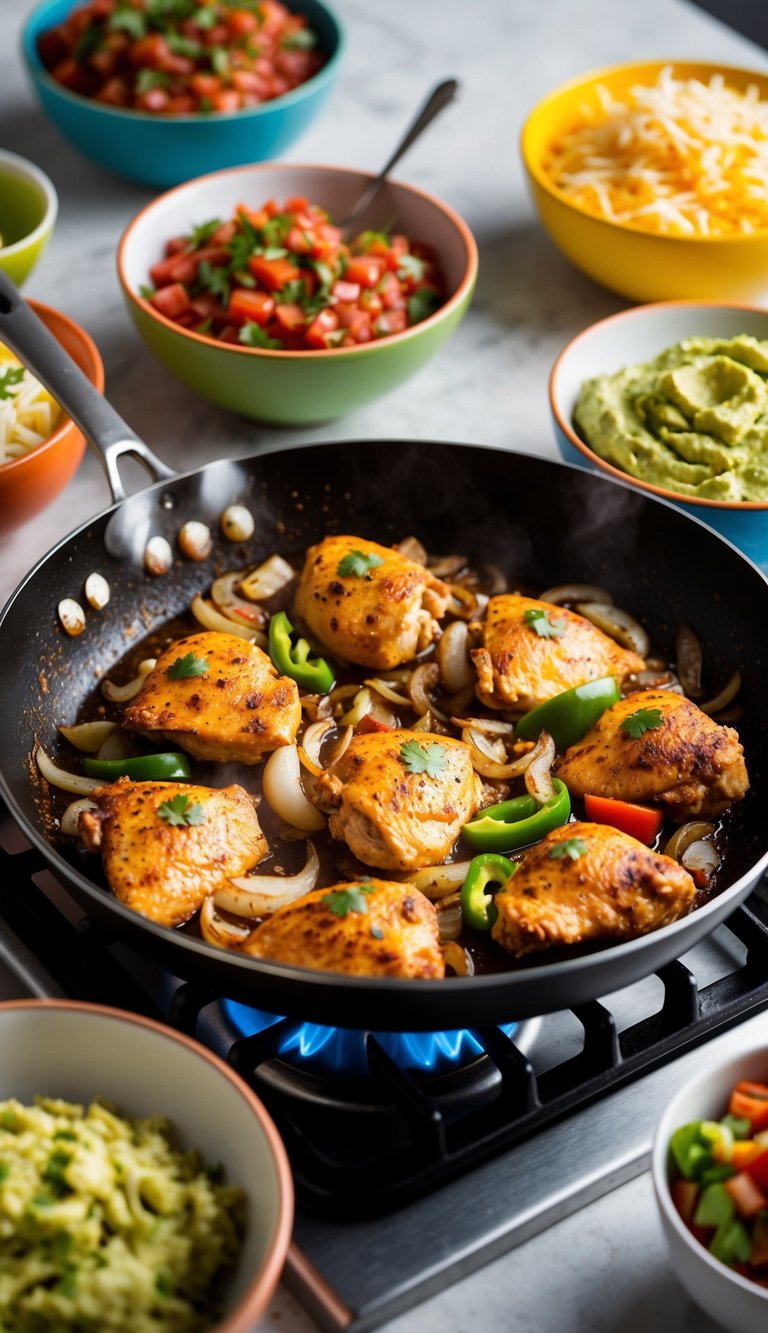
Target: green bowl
x: 294, y: 388
x: 28, y: 208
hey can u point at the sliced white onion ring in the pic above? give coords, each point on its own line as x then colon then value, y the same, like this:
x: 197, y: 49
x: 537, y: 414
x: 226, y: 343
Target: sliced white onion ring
x: 215, y: 930
x: 453, y: 657
x: 267, y: 579
x: 59, y: 777
x: 425, y: 678
x: 538, y: 774
x: 88, y: 736
x: 362, y: 704
x: 121, y: 694
x: 71, y: 817
x: 620, y: 625
x: 576, y: 592
x: 490, y: 768
x: 449, y: 919
x: 725, y: 696
x: 412, y: 549
x: 387, y: 691
x: 490, y: 726
x: 210, y: 618
x: 260, y: 895
x: 687, y: 833
x: 439, y: 881
x: 448, y: 566
x: 284, y: 792
x: 114, y: 747
x: 234, y: 607
x: 309, y: 750
x: 465, y: 603
x: 701, y: 856
x: 458, y: 959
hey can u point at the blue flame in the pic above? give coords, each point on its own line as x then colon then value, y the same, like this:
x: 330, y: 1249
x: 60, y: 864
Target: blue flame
x: 342, y: 1050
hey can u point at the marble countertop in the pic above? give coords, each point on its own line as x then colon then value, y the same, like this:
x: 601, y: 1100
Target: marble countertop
x: 605, y: 1269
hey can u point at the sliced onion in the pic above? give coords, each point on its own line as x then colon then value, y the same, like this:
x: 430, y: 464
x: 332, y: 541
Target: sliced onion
x: 701, y: 856
x: 424, y: 678
x: 260, y: 895
x: 492, y: 726
x: 689, y: 656
x: 576, y: 592
x: 121, y: 694
x: 453, y: 657
x: 210, y: 618
x: 88, y: 736
x: 309, y: 750
x: 114, y: 747
x: 491, y: 768
x: 459, y: 959
x: 449, y: 919
x: 725, y: 696
x: 438, y: 881
x: 491, y: 746
x: 425, y: 723
x: 267, y: 579
x: 620, y: 625
x: 494, y: 579
x: 234, y: 607
x: 448, y: 566
x: 687, y: 834
x: 317, y: 706
x: 465, y: 603
x: 71, y: 817
x: 655, y: 679
x: 284, y: 792
x: 59, y: 777
x: 362, y: 704
x: 538, y: 774
x: 215, y: 930
x: 412, y: 549
x: 387, y: 691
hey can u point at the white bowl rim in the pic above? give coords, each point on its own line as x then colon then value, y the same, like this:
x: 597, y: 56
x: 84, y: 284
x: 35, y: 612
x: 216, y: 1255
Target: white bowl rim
x: 23, y: 167
x: 659, y: 1158
x: 240, y: 1319
x: 646, y: 311
x: 283, y: 354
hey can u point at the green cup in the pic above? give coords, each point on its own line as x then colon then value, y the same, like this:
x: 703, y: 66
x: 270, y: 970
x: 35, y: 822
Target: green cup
x: 28, y: 208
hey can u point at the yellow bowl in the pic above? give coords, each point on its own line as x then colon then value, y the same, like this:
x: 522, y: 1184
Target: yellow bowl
x: 637, y: 264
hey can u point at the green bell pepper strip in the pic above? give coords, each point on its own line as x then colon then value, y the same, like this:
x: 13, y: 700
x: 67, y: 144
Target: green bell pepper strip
x: 715, y: 1207
x: 570, y: 715
x: 519, y: 822
x: 731, y: 1243
x: 312, y: 674
x: 141, y: 768
x: 477, y: 908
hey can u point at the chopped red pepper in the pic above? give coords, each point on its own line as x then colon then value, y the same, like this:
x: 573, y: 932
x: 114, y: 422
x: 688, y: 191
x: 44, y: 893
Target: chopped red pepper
x: 639, y: 821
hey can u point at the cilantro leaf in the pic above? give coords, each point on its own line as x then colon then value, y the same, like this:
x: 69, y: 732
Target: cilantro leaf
x: 146, y: 293
x: 147, y: 79
x: 219, y: 57
x: 410, y: 266
x: 430, y: 759
x: 184, y: 46
x: 301, y: 40
x: 131, y: 21
x: 538, y: 620
x: 205, y: 17
x: 253, y: 335
x: 572, y: 847
x: 67, y: 1285
x: 367, y: 239
x: 214, y: 279
x: 356, y: 564
x: 202, y: 233
x: 9, y: 379
x: 343, y: 901
x: 188, y: 665
x: 645, y: 719
x: 422, y: 303
x: 179, y: 813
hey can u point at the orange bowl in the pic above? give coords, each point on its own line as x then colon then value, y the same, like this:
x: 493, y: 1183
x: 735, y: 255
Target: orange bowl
x: 29, y: 483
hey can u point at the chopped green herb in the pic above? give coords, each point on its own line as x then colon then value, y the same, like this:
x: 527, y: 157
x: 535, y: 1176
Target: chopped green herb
x: 410, y: 266
x: 253, y: 335
x: 88, y: 43
x: 213, y: 279
x: 430, y: 759
x: 343, y: 901
x: 53, y: 1173
x: 188, y: 665
x: 645, y: 719
x: 422, y: 303
x: 65, y: 1134
x: 184, y: 46
x: 164, y: 1283
x: 219, y: 56
x: 146, y: 293
x: 5, y: 1171
x: 276, y: 229
x: 538, y: 620
x: 202, y: 233
x: 302, y: 40
x: 356, y: 564
x: 205, y: 326
x: 60, y: 1245
x: 377, y: 932
x: 275, y: 252
x: 68, y: 1283
x: 572, y: 847
x: 131, y: 21
x: 9, y: 379
x: 367, y: 239
x: 179, y: 813
x: 147, y: 79
x: 9, y: 1121
x: 205, y: 18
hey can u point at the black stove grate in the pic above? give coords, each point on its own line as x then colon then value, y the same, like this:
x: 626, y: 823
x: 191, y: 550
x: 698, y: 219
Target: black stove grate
x: 410, y: 1136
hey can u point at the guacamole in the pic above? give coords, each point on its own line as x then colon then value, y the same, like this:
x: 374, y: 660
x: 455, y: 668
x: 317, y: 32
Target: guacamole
x: 694, y: 420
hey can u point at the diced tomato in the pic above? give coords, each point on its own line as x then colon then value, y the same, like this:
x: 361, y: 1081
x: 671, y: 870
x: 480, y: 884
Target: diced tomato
x: 370, y: 724
x: 258, y: 217
x: 750, y: 1101
x: 327, y: 321
x: 358, y: 322
x: 371, y: 301
x: 391, y: 321
x: 639, y: 821
x: 114, y: 92
x: 685, y: 1194
x: 149, y: 51
x: 745, y: 1151
x: 227, y: 99
x: 757, y: 1166
x: 245, y: 305
x: 176, y: 245
x: 392, y: 294
x: 273, y: 273
x: 296, y: 241
x: 223, y: 234
x: 290, y: 316
x: 747, y: 1196
x: 346, y: 291
x: 171, y: 301
x: 242, y: 21
x: 368, y: 270
x: 298, y: 203
x: 205, y: 85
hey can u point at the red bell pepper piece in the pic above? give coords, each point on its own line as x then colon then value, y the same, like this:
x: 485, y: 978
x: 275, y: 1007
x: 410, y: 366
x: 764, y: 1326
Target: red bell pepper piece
x: 639, y: 821
x: 273, y: 273
x: 749, y: 1101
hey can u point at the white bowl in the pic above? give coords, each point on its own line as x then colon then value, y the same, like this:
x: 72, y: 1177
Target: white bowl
x: 81, y: 1051
x: 734, y: 1301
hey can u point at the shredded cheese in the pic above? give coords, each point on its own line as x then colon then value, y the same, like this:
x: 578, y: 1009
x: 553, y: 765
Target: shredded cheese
x: 28, y: 413
x: 679, y: 157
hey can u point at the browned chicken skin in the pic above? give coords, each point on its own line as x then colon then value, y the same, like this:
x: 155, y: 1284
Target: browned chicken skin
x: 165, y: 871
x: 364, y: 928
x: 381, y: 617
x: 396, y: 819
x: 238, y: 709
x: 518, y: 668
x: 690, y: 765
x: 616, y: 889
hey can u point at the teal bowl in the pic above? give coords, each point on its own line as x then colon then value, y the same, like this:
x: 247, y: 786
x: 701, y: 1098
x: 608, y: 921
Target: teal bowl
x: 28, y: 208
x: 281, y: 387
x: 635, y: 336
x: 164, y: 150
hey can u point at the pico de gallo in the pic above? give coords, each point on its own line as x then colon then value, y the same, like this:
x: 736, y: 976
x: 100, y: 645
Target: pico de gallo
x: 720, y: 1187
x: 181, y: 57
x: 281, y: 278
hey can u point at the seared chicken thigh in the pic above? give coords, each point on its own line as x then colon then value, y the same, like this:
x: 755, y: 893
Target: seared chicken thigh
x: 364, y: 928
x: 400, y: 798
x: 167, y: 845
x: 368, y: 603
x: 534, y: 650
x: 682, y: 760
x: 588, y: 882
x: 219, y: 697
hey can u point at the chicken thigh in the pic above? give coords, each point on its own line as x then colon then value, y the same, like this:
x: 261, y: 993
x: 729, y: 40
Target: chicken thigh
x: 366, y: 928
x: 167, y: 845
x: 368, y: 603
x: 657, y: 746
x: 534, y: 650
x: 400, y: 798
x: 588, y: 882
x: 219, y: 697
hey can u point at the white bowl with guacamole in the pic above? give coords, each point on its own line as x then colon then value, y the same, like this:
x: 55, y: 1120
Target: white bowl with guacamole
x: 673, y: 398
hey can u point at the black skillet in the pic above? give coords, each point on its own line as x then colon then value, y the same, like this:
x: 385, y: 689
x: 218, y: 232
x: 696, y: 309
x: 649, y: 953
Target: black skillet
x: 542, y: 522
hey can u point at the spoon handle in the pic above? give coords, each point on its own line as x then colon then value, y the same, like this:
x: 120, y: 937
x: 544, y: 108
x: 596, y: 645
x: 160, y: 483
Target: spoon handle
x: 438, y: 99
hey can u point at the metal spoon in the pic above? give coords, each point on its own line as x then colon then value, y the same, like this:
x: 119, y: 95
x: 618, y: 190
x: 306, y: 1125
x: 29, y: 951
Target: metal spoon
x: 440, y: 97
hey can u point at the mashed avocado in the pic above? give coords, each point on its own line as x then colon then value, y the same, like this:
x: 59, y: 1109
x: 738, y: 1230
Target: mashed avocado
x: 694, y: 420
x: 105, y: 1227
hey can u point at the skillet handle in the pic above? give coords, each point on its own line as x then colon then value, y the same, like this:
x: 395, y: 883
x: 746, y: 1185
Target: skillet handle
x: 103, y: 427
